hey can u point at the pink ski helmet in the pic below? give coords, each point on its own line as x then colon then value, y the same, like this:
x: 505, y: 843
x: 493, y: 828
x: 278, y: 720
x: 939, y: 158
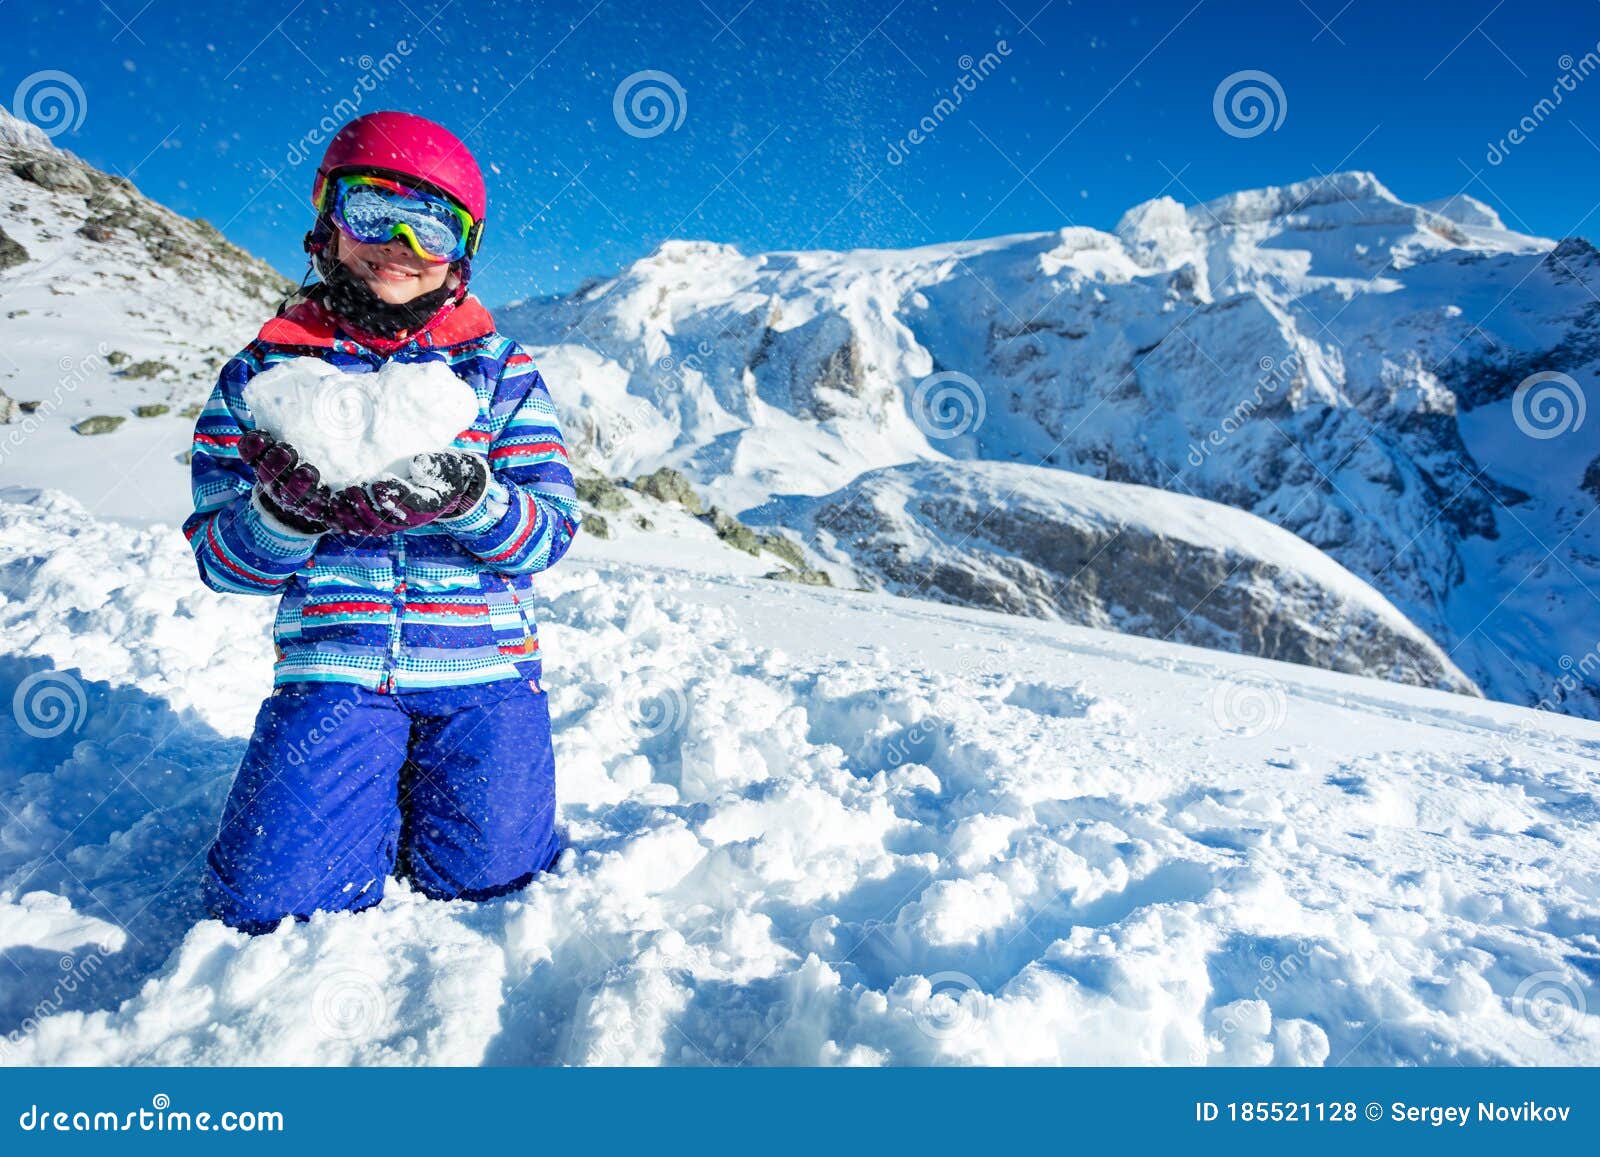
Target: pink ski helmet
x: 400, y: 144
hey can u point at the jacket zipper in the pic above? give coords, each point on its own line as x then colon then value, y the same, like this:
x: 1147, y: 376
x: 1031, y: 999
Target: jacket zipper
x: 522, y: 615
x: 397, y: 557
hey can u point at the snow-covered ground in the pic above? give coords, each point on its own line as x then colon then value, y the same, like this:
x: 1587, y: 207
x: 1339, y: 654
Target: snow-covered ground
x: 825, y: 826
x: 807, y: 826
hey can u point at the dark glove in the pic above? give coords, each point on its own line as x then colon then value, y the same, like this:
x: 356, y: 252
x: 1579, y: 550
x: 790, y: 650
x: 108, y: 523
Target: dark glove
x: 441, y: 485
x: 288, y: 488
x: 463, y: 477
x: 387, y: 506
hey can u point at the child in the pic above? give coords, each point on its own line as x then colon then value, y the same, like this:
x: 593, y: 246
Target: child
x: 407, y: 730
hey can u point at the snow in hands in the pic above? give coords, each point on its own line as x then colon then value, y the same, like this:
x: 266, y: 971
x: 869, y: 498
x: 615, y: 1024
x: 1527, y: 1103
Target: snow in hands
x: 809, y: 826
x: 359, y: 427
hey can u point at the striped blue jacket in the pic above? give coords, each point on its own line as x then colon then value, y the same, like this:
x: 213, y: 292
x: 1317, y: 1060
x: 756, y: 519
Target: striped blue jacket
x: 445, y: 605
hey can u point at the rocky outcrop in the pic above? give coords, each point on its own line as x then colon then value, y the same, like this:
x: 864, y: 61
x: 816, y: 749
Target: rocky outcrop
x: 1039, y: 542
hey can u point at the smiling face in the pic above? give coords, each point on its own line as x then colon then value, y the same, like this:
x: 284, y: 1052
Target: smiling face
x: 390, y: 270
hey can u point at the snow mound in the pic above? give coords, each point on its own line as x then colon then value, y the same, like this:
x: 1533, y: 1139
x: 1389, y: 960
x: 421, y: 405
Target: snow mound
x: 807, y: 827
x: 355, y: 427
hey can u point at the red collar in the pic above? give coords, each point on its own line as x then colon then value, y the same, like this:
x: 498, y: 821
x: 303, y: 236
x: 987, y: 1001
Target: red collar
x: 309, y: 324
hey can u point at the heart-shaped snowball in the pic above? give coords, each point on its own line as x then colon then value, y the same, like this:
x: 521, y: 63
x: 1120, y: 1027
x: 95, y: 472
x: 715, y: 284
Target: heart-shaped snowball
x: 356, y: 427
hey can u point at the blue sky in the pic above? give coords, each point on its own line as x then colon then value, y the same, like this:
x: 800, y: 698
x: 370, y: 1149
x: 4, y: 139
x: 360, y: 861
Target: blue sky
x: 790, y: 111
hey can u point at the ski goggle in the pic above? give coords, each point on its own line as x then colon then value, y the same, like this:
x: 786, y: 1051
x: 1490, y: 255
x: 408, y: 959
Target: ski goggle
x: 375, y: 209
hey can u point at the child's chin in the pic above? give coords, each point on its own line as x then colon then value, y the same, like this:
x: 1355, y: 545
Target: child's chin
x: 392, y: 293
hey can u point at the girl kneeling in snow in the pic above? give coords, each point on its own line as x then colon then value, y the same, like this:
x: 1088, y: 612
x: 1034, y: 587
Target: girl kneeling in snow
x: 407, y: 730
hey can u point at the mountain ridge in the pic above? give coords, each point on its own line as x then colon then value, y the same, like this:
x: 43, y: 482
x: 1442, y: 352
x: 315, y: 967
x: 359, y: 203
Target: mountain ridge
x: 1322, y: 354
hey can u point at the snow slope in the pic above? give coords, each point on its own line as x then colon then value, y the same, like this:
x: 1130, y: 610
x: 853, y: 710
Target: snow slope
x: 1322, y: 354
x: 118, y: 303
x: 1031, y: 540
x: 807, y: 826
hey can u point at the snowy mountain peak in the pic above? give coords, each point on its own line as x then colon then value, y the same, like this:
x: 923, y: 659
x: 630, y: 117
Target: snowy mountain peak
x: 22, y: 134
x: 1360, y: 190
x: 1466, y: 210
x: 1322, y: 353
x: 686, y: 252
x: 1159, y: 234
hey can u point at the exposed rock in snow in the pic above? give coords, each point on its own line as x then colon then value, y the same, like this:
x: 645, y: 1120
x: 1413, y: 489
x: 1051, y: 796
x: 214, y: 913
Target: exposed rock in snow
x: 1041, y: 542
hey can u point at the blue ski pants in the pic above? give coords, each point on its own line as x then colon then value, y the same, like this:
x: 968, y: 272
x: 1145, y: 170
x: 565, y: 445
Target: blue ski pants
x: 453, y: 789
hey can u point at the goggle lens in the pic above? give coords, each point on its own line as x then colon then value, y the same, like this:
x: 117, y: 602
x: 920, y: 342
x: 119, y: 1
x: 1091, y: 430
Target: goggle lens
x: 374, y: 210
